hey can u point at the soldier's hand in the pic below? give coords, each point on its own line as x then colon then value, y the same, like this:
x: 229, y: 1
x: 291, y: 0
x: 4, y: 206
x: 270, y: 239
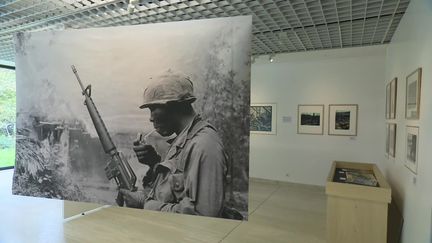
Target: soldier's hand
x: 133, y: 199
x: 146, y: 154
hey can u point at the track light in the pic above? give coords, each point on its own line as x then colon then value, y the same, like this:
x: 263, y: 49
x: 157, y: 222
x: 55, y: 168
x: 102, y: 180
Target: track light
x: 271, y: 58
x: 132, y: 6
x: 59, y: 27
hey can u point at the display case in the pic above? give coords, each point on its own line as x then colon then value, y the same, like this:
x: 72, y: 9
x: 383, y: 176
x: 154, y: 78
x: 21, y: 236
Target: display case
x: 357, y: 205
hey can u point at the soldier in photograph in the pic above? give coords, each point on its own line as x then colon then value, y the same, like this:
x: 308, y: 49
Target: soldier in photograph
x: 190, y: 179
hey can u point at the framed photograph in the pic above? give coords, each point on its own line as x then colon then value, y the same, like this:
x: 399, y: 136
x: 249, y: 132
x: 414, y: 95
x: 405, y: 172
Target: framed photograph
x: 263, y: 118
x: 412, y: 141
x: 391, y: 140
x: 310, y: 119
x: 413, y: 91
x: 343, y: 120
x: 393, y: 98
x: 388, y: 102
x: 387, y: 145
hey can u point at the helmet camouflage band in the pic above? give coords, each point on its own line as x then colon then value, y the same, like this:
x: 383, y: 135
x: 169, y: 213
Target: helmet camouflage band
x: 168, y: 88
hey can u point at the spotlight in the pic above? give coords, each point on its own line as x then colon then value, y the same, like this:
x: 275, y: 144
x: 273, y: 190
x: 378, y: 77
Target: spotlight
x: 59, y: 27
x: 271, y: 58
x: 132, y: 6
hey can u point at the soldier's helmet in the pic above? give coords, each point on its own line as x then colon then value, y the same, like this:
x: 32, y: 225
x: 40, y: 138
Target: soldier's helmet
x: 169, y: 87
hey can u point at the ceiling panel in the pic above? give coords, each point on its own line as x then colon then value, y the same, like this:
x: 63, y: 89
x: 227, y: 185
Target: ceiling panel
x: 278, y: 25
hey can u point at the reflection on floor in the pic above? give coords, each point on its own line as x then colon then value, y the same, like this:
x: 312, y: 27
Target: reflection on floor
x: 28, y: 219
x: 279, y: 212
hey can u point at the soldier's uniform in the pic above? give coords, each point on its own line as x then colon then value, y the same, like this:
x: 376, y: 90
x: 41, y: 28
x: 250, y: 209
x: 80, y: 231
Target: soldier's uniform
x: 191, y: 178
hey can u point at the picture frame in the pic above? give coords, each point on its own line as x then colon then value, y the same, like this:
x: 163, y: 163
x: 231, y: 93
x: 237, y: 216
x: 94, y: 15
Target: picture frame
x: 387, y: 140
x: 411, y: 146
x: 393, y: 98
x: 388, y: 102
x: 413, y: 95
x: 343, y: 119
x: 392, y: 140
x: 310, y: 119
x: 263, y: 118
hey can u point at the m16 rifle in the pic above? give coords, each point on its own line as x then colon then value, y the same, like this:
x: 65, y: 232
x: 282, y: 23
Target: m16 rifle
x: 117, y: 168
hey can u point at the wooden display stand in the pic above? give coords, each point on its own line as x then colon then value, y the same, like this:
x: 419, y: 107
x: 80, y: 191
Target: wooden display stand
x: 357, y: 213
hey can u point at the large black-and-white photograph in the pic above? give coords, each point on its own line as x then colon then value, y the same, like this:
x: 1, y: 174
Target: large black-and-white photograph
x: 413, y: 92
x: 387, y: 140
x: 393, y: 98
x: 388, y: 101
x: 310, y: 119
x: 392, y: 140
x: 411, y: 148
x: 412, y: 135
x: 148, y: 116
x: 343, y: 120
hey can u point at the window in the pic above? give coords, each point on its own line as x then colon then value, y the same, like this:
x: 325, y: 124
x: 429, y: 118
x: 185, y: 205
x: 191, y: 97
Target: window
x: 7, y: 116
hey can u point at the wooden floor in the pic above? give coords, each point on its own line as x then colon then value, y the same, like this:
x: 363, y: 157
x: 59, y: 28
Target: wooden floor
x: 279, y: 212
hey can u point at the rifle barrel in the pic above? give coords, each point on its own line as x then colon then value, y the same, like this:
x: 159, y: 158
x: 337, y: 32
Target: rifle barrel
x: 77, y: 76
x: 118, y: 167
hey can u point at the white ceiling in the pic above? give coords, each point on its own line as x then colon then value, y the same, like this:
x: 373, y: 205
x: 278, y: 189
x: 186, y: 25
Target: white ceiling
x: 278, y: 25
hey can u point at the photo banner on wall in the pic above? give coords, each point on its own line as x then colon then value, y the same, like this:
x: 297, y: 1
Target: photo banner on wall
x: 149, y: 116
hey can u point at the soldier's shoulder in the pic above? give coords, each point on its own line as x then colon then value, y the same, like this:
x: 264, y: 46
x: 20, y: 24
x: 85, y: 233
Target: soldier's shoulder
x: 206, y: 129
x: 206, y: 136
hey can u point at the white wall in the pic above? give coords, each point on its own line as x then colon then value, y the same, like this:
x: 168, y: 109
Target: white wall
x: 343, y: 76
x: 410, y: 48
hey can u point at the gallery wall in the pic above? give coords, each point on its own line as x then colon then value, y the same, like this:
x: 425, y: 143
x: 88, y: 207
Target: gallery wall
x: 343, y: 76
x: 411, y: 48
